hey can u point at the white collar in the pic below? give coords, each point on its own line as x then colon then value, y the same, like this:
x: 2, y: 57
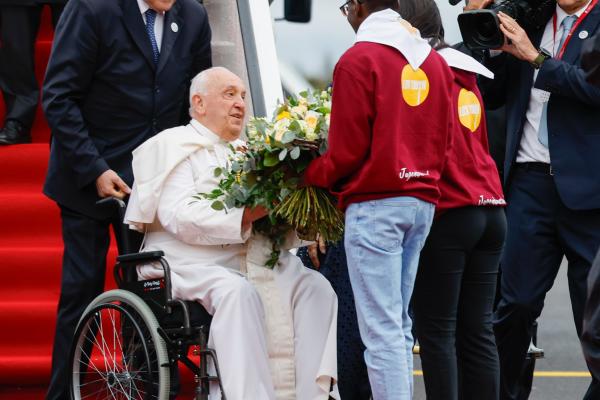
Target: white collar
x: 152, y: 163
x: 145, y: 7
x: 387, y: 27
x: 561, y: 14
x: 458, y: 59
x: 212, y: 137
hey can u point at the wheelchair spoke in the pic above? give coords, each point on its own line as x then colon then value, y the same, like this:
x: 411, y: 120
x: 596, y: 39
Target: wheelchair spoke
x: 120, y: 364
x: 102, y: 346
x: 96, y: 393
x: 91, y: 363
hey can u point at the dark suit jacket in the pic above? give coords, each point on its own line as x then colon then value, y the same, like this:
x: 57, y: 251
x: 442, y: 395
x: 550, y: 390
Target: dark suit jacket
x: 590, y: 59
x: 103, y: 96
x: 30, y: 2
x: 573, y: 115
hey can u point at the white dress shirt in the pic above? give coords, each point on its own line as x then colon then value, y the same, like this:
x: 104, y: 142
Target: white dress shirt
x: 531, y: 150
x: 158, y: 23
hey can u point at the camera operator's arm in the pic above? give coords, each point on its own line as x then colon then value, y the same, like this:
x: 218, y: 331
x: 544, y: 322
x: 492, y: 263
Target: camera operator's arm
x: 555, y: 76
x: 569, y: 80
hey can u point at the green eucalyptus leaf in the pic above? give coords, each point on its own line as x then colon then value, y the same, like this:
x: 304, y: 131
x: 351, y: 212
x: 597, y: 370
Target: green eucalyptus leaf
x: 251, y: 179
x: 217, y: 205
x: 270, y: 160
x: 282, y: 154
x: 284, y: 193
x: 218, y: 172
x: 261, y: 126
x: 295, y: 153
x: 230, y: 202
x: 294, y: 126
x: 288, y: 137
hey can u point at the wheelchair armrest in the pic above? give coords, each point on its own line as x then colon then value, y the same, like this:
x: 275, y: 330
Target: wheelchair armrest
x: 126, y: 261
x: 136, y: 258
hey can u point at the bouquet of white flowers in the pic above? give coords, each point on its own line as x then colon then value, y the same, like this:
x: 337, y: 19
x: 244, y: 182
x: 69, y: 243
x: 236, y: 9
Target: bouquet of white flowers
x: 267, y: 173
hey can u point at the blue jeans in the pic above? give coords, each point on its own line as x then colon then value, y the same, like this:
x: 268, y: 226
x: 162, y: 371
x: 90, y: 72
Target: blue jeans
x: 383, y: 240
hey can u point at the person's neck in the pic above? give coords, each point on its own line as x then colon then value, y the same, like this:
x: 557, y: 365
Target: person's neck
x: 573, y: 8
x: 224, y: 136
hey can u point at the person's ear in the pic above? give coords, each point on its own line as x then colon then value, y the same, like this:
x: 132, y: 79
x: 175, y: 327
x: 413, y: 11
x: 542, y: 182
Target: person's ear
x: 361, y: 10
x: 198, y: 104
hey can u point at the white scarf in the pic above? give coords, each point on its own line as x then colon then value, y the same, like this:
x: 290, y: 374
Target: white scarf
x: 153, y: 161
x: 387, y: 27
x: 458, y: 59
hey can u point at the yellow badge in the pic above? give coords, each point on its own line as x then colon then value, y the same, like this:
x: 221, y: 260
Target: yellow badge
x: 469, y: 110
x: 415, y: 86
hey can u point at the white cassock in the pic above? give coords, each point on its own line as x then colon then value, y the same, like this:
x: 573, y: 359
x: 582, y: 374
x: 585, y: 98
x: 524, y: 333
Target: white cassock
x: 274, y: 331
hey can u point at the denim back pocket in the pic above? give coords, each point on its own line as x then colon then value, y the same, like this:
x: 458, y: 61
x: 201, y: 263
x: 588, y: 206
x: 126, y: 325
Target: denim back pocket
x: 386, y: 222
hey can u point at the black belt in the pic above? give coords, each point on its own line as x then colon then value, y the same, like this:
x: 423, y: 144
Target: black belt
x: 537, y: 167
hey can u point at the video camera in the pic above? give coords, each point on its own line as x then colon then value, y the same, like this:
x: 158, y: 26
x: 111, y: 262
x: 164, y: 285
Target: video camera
x: 480, y: 29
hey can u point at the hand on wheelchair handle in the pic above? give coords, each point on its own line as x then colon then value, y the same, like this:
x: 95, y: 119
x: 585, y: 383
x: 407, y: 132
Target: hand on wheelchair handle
x: 109, y: 184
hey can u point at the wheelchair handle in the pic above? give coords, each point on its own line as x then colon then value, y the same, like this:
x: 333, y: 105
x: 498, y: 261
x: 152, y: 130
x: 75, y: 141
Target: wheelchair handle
x: 118, y: 207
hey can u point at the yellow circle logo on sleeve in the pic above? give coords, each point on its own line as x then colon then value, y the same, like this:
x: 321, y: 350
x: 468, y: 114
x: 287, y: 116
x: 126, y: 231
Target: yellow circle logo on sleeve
x: 469, y: 110
x: 415, y: 86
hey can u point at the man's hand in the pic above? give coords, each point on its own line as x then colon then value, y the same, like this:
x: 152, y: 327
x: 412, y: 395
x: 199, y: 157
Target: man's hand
x: 252, y: 214
x: 109, y: 184
x: 517, y: 42
x: 314, y: 249
x: 477, y: 4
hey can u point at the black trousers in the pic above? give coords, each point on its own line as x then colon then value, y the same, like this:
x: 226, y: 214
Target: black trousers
x: 19, y: 27
x: 541, y: 231
x: 453, y: 303
x: 86, y: 242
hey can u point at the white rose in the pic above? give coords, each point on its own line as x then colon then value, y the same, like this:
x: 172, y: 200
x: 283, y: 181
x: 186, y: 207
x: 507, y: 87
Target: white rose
x: 310, y: 134
x: 281, y: 127
x: 312, y: 119
x: 299, y: 110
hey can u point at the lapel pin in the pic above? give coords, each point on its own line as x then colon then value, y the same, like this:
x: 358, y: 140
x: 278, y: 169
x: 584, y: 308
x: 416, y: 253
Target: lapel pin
x: 175, y: 28
x: 583, y: 34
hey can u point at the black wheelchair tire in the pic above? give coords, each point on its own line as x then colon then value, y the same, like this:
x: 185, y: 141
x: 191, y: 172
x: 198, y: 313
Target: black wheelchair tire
x: 143, y: 323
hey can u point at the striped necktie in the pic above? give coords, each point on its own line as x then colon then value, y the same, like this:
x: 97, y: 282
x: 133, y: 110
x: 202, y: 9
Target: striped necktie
x: 150, y: 19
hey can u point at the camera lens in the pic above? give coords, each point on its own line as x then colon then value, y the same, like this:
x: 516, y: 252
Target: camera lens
x: 480, y: 29
x: 486, y: 30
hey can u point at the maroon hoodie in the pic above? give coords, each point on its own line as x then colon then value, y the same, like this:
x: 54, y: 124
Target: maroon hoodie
x: 470, y: 177
x: 390, y: 127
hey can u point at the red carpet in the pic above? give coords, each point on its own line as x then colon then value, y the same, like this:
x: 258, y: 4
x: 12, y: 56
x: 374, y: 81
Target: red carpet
x: 30, y: 253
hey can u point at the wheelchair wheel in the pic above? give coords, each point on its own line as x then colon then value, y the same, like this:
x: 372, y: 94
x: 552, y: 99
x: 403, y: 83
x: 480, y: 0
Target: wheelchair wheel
x: 117, y: 352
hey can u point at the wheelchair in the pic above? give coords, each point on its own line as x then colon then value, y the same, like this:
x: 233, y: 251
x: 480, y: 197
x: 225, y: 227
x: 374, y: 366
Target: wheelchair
x: 129, y: 341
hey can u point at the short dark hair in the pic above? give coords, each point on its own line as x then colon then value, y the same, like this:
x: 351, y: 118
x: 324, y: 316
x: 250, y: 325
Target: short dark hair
x: 378, y: 5
x: 425, y: 16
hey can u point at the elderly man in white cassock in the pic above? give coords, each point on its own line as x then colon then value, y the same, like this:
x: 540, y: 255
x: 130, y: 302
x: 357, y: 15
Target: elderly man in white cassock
x: 273, y: 330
